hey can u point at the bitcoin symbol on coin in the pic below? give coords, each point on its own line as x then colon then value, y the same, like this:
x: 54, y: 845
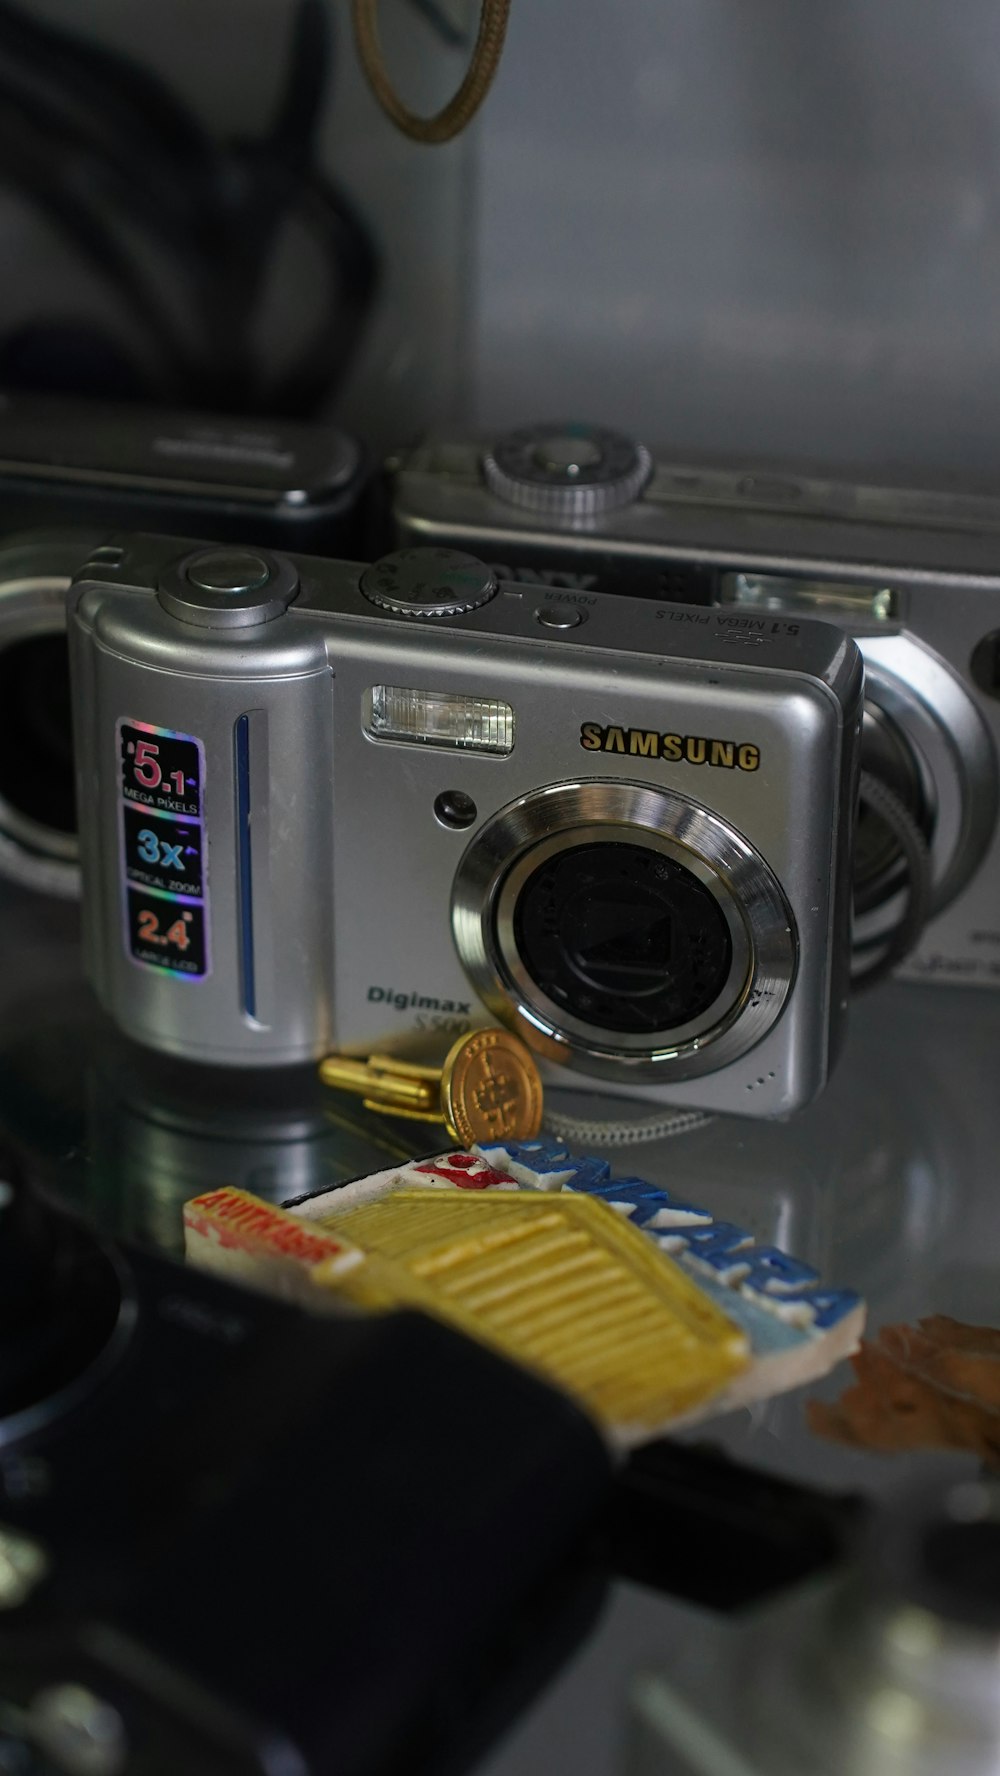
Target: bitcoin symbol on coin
x: 494, y: 1096
x: 491, y: 1088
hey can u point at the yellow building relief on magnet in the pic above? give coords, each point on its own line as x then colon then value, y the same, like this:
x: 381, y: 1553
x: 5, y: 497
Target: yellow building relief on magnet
x: 556, y: 1283
x: 561, y: 1285
x: 631, y: 1336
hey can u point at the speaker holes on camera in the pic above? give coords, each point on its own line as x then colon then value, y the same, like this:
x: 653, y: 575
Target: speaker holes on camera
x: 985, y: 664
x: 761, y: 1080
x: 455, y: 810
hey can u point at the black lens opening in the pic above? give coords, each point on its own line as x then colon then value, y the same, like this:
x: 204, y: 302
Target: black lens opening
x: 36, y: 736
x: 623, y: 937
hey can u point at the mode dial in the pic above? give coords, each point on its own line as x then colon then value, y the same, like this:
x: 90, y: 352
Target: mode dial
x: 567, y: 471
x: 428, y: 583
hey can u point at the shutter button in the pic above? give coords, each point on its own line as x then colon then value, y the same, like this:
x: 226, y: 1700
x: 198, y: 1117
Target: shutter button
x: 228, y: 570
x: 228, y: 588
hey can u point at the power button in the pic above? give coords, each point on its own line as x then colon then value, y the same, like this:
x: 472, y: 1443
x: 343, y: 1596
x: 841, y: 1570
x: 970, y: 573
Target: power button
x: 559, y: 616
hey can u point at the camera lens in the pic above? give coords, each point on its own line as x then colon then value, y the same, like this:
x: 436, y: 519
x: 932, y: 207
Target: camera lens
x: 623, y: 929
x: 623, y: 937
x: 36, y: 745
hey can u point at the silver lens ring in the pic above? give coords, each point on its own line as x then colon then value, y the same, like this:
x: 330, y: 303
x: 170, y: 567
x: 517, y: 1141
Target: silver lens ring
x: 521, y: 838
x: 939, y: 721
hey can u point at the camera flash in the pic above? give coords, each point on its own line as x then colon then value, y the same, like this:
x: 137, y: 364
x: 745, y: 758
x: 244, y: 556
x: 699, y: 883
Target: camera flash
x: 439, y: 718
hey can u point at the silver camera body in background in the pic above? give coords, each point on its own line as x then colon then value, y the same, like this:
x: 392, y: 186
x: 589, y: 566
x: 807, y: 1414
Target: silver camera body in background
x: 331, y: 806
x: 913, y: 575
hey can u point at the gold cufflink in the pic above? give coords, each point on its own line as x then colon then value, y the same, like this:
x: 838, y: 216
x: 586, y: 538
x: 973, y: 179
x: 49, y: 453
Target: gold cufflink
x: 489, y: 1088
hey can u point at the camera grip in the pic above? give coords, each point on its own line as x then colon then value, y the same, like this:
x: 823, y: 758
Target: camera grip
x: 204, y: 768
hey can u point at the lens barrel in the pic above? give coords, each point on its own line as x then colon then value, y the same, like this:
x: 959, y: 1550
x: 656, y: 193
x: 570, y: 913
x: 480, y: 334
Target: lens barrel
x: 624, y: 930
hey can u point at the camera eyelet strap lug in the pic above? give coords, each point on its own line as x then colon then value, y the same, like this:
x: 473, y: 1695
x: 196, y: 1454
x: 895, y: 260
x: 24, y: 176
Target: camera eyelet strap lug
x: 462, y: 107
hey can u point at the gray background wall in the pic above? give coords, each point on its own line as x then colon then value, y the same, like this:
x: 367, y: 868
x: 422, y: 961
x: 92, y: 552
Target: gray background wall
x: 771, y: 224
x: 227, y: 59
x: 764, y: 226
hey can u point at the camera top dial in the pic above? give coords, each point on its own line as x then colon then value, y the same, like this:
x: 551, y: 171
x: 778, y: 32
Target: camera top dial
x: 428, y: 583
x: 567, y: 471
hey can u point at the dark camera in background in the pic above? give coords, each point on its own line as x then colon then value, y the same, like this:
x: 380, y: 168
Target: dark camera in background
x: 71, y: 472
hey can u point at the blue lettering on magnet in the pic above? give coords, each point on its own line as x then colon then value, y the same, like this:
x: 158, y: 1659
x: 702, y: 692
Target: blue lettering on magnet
x: 720, y: 1247
x: 827, y: 1307
x: 546, y: 1165
x: 540, y: 1165
x: 773, y: 1272
x: 541, y: 1156
x: 645, y: 1206
x: 718, y: 1254
x: 590, y: 1175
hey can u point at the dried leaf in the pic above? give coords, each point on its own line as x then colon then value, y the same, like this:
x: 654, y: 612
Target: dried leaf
x: 935, y: 1385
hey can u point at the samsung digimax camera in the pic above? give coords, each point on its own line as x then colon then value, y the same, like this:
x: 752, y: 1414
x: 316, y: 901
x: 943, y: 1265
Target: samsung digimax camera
x: 71, y: 471
x: 367, y: 808
x: 913, y: 574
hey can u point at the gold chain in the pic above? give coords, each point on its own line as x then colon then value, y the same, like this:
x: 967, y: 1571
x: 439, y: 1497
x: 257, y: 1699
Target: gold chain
x: 466, y: 102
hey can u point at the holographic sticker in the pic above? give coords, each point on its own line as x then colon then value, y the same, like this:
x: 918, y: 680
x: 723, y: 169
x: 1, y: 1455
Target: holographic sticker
x: 164, y: 848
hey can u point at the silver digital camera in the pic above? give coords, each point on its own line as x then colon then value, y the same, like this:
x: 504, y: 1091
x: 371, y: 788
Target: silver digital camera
x: 912, y: 574
x: 365, y: 808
